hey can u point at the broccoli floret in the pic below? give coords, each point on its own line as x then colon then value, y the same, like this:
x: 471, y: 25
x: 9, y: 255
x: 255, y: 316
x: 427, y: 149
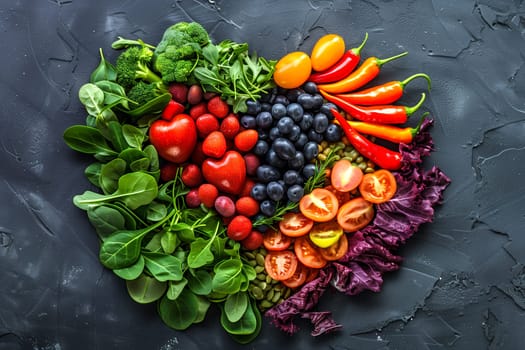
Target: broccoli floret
x: 180, y: 47
x: 143, y: 92
x: 133, y: 65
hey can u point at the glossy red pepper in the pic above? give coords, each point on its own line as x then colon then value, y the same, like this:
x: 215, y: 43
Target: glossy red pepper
x: 380, y: 155
x: 382, y: 94
x: 364, y: 74
x: 342, y: 68
x: 387, y: 132
x: 383, y: 114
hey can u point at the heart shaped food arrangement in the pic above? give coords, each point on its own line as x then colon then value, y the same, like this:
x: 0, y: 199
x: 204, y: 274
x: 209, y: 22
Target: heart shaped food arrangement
x: 223, y: 179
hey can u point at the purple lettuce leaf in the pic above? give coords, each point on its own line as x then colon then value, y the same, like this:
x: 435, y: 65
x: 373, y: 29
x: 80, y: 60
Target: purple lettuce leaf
x: 370, y: 250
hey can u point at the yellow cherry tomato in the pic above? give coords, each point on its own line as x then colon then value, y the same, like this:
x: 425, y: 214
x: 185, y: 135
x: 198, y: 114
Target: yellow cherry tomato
x: 327, y: 51
x: 292, y: 70
x: 325, y: 234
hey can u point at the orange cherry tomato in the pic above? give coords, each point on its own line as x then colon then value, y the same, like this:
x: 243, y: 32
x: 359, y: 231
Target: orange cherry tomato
x: 292, y: 70
x: 337, y: 250
x: 280, y: 265
x: 298, y: 278
x: 320, y: 205
x: 274, y: 240
x: 327, y: 51
x: 345, y: 176
x: 295, y: 224
x: 379, y: 186
x: 355, y: 214
x: 307, y: 253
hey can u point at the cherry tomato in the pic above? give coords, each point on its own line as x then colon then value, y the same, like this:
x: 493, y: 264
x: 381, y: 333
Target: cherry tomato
x: 295, y: 224
x: 345, y: 176
x: 280, y: 265
x: 337, y: 250
x: 253, y: 241
x: 324, y: 234
x: 379, y: 186
x: 298, y: 278
x: 292, y: 70
x: 355, y: 214
x: 274, y: 240
x: 327, y: 51
x: 307, y: 253
x: 320, y: 205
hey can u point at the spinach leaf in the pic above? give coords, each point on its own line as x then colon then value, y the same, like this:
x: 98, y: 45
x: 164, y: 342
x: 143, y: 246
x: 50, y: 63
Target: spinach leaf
x: 180, y: 313
x: 228, y: 277
x: 146, y: 289
x: 113, y: 93
x: 106, y: 220
x: 153, y: 156
x: 246, y: 325
x: 115, y: 135
x: 134, y: 136
x: 104, y: 71
x: 200, y: 253
x: 169, y: 242
x: 110, y: 173
x: 175, y: 288
x: 202, y: 308
x: 88, y: 140
x: 235, y: 306
x: 92, y: 97
x: 163, y: 267
x: 152, y: 106
x: 247, y: 338
x: 199, y: 282
x: 156, y: 211
x: 92, y: 173
x: 131, y: 272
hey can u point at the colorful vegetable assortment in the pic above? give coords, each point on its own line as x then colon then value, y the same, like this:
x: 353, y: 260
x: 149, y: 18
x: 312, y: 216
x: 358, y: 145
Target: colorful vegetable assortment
x: 227, y: 180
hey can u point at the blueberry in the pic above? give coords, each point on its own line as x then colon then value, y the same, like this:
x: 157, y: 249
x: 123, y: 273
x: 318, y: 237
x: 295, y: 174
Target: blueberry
x: 326, y: 107
x: 278, y: 111
x: 264, y: 120
x: 258, y: 192
x: 309, y: 170
x: 266, y: 107
x: 333, y: 133
x: 263, y: 134
x: 267, y: 173
x: 281, y: 99
x: 306, y: 122
x: 261, y: 147
x: 310, y: 87
x: 284, y: 148
x: 301, y: 141
x: 285, y: 125
x: 267, y: 207
x: 290, y: 177
x: 248, y: 121
x: 306, y: 100
x: 315, y: 136
x: 275, y: 191
x: 274, y: 133
x: 310, y: 150
x: 295, y: 133
x: 320, y: 123
x: 317, y: 101
x: 274, y: 160
x: 293, y: 93
x: 295, y: 111
x: 253, y: 107
x: 297, y: 162
x: 295, y: 193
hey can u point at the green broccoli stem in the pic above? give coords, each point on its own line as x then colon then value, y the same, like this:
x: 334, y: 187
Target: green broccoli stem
x: 145, y: 73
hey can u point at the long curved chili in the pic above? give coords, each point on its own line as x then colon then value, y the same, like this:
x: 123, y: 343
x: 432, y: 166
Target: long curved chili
x: 383, y: 114
x: 342, y: 68
x: 388, y: 132
x: 365, y: 73
x: 380, y: 155
x: 382, y: 94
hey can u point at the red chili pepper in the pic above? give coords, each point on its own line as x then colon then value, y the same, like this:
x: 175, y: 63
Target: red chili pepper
x: 387, y: 132
x: 360, y: 77
x: 342, y: 68
x: 382, y: 114
x: 382, y: 94
x: 380, y: 155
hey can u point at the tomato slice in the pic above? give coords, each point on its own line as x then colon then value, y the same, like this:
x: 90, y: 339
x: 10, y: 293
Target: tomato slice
x: 298, y: 278
x: 274, y: 240
x: 307, y: 253
x: 295, y: 224
x: 320, y: 205
x: 312, y: 274
x: 324, y: 234
x: 337, y: 250
x: 355, y: 214
x: 280, y: 265
x: 379, y: 186
x: 345, y: 176
x: 342, y: 197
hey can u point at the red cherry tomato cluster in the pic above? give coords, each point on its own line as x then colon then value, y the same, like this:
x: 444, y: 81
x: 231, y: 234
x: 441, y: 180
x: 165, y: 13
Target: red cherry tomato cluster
x: 199, y: 133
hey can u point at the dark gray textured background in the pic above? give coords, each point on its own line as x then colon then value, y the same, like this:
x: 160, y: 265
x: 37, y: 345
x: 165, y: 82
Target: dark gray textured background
x: 462, y: 284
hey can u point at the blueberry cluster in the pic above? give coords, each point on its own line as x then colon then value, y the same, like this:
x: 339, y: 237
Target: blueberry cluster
x: 290, y: 124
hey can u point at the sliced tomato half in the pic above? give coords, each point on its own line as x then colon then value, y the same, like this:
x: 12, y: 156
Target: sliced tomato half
x: 298, y: 278
x: 320, y: 205
x: 280, y: 265
x: 274, y: 240
x: 379, y: 186
x: 337, y: 250
x: 295, y: 224
x: 307, y: 253
x: 355, y: 214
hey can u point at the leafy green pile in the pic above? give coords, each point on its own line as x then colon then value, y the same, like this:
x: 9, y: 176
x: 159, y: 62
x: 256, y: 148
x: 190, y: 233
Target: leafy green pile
x: 167, y: 253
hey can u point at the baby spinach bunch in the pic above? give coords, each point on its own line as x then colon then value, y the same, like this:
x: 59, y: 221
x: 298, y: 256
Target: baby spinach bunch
x: 169, y: 254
